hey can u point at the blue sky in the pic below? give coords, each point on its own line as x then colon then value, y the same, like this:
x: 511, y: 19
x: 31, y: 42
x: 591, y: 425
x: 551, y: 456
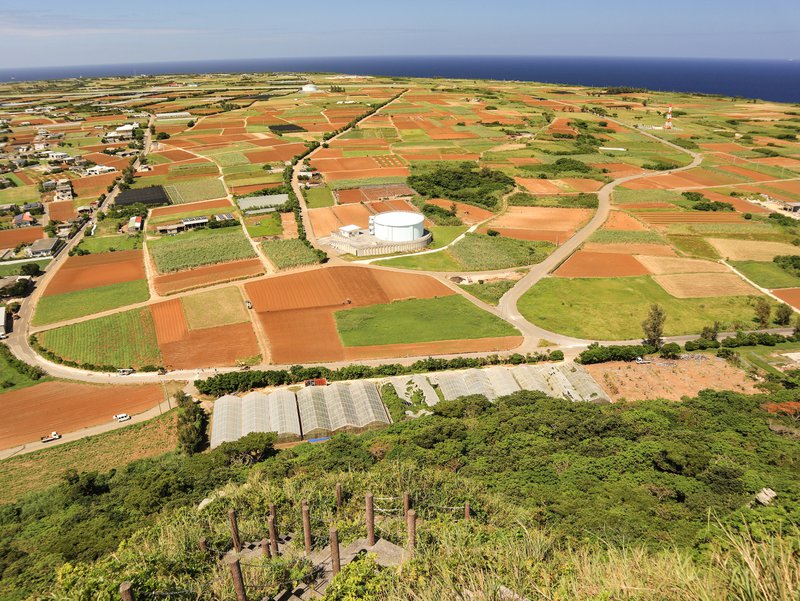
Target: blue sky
x: 82, y: 32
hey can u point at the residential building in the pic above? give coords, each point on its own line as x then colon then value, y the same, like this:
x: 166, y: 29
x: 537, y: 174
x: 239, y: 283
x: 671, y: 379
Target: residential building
x: 46, y: 247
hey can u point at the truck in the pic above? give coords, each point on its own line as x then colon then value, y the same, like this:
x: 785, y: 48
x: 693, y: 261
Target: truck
x: 317, y: 382
x: 51, y: 437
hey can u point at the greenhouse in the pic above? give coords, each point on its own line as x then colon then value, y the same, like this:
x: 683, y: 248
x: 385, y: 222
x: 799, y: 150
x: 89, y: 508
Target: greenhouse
x: 352, y: 407
x: 236, y: 417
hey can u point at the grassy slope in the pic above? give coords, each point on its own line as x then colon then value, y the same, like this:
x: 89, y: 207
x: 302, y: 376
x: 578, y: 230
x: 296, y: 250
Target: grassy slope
x: 40, y: 470
x: 419, y: 320
x: 126, y: 339
x: 613, y: 309
x: 768, y: 275
x: 14, y: 379
x: 70, y: 305
x: 489, y: 292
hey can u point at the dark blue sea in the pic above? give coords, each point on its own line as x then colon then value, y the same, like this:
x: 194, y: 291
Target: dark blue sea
x: 766, y: 79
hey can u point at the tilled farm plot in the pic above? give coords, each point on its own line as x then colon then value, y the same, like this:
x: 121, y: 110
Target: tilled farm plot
x: 621, y: 221
x: 670, y: 217
x: 586, y: 264
x: 702, y: 285
x: 63, y: 210
x: 190, y: 279
x: 93, y: 271
x: 66, y: 407
x: 750, y: 250
x: 24, y: 235
x: 672, y: 265
x: 657, y: 250
x: 467, y: 213
x: 790, y: 296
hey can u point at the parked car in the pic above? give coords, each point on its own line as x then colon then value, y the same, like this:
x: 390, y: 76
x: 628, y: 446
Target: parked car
x: 248, y: 304
x: 51, y: 437
x: 122, y: 417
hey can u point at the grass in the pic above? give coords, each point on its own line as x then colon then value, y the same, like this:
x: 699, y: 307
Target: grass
x: 266, y: 225
x: 285, y: 254
x: 478, y: 252
x: 319, y: 197
x: 766, y: 274
x: 79, y: 303
x: 583, y: 201
x: 11, y: 379
x: 126, y: 339
x: 40, y: 470
x: 489, y: 292
x: 214, y: 308
x: 445, y: 234
x: 103, y: 244
x: 418, y: 320
x: 613, y: 309
x: 14, y: 268
x: 195, y: 190
x: 200, y: 247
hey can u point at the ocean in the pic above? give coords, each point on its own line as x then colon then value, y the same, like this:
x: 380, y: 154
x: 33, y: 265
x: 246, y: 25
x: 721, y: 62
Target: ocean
x: 777, y: 80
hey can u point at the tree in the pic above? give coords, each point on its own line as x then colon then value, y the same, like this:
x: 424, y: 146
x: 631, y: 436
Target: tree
x: 783, y: 315
x: 763, y: 312
x: 31, y: 269
x: 191, y: 424
x: 796, y: 326
x: 710, y: 332
x: 653, y: 326
x: 671, y: 350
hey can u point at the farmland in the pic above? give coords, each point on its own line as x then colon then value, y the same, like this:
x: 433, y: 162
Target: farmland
x: 286, y: 254
x: 418, y: 320
x: 79, y: 303
x: 202, y: 247
x: 133, y: 344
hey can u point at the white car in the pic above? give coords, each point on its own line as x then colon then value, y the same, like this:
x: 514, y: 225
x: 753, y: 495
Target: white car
x: 122, y: 417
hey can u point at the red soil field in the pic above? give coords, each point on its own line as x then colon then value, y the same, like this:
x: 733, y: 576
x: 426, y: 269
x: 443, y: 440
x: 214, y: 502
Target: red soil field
x: 586, y: 264
x: 398, y: 204
x: 749, y: 173
x: 93, y: 185
x: 467, y: 213
x: 324, y: 221
x: 379, y: 207
x: 205, y: 276
x: 205, y: 205
x: 739, y: 204
x: 792, y: 187
x: 790, y: 296
x: 211, y: 347
x: 170, y: 320
x: 28, y: 414
x: 92, y: 271
x: 10, y: 238
x: 61, y: 211
x: 538, y: 186
x: 582, y: 185
x: 356, y: 214
x: 367, y: 173
x: 620, y: 221
x: 350, y: 196
x: 616, y: 170
x: 24, y: 178
x: 723, y: 147
x: 177, y: 155
x: 655, y: 250
x: 281, y: 153
x: 542, y: 218
x: 302, y: 336
x: 426, y: 349
x: 289, y: 225
x: 253, y: 188
x: 776, y: 161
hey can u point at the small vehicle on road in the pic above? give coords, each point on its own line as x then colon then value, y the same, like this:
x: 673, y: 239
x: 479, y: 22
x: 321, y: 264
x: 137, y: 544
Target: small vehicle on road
x: 51, y: 437
x: 125, y: 371
x: 248, y: 304
x: 122, y: 417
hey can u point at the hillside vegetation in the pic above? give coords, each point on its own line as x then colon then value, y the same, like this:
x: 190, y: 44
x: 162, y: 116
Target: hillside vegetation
x: 569, y: 501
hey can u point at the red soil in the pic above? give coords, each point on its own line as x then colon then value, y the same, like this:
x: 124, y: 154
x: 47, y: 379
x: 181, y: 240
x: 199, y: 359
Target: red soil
x: 586, y: 264
x: 538, y: 186
x: 210, y: 347
x: 324, y: 221
x: 27, y: 414
x: 350, y: 196
x: 303, y: 336
x: 621, y: 221
x: 177, y: 155
x: 542, y: 218
x: 356, y: 214
x: 748, y: 173
x: 205, y: 205
x: 204, y: 276
x: 666, y: 217
x: 92, y: 271
x: 281, y: 153
x: 289, y: 224
x: 790, y: 296
x: 467, y: 213
x: 253, y: 188
x: 11, y: 238
x: 170, y: 320
x: 61, y: 211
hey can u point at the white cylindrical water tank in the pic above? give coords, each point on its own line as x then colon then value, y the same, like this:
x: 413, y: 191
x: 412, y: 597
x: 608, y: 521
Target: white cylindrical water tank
x: 399, y: 226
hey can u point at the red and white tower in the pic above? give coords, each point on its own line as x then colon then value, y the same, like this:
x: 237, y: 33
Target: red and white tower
x: 668, y: 124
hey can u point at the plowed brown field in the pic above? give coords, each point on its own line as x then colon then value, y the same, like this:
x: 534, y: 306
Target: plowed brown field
x: 586, y: 264
x: 211, y: 347
x: 666, y: 265
x: 205, y: 205
x: 205, y: 276
x: 305, y: 335
x: 790, y: 296
x: 28, y: 414
x: 658, y: 250
x: 620, y: 221
x: 170, y: 321
x: 467, y: 213
x: 11, y: 238
x: 667, y: 217
x: 92, y: 271
x: 61, y: 211
x: 425, y: 349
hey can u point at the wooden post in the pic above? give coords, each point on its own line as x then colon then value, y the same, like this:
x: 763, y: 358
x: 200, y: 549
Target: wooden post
x: 273, y: 537
x: 406, y: 503
x: 466, y: 511
x: 126, y: 592
x: 411, y: 527
x: 307, y: 527
x: 265, y: 552
x: 370, y: 520
x: 236, y: 574
x: 237, y: 543
x: 336, y: 563
x: 338, y: 496
x: 274, y: 513
x: 204, y: 545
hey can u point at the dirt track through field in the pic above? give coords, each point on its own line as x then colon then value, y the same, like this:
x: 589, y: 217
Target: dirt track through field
x: 28, y: 414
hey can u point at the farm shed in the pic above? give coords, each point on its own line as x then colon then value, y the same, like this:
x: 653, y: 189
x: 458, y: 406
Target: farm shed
x: 151, y: 196
x: 351, y: 406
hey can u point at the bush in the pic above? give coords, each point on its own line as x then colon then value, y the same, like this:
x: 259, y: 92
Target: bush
x: 462, y: 182
x: 671, y: 350
x: 601, y: 354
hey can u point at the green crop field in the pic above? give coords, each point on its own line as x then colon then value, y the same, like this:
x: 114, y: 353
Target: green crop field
x: 195, y: 190
x: 766, y: 274
x: 200, y: 247
x: 102, y: 244
x: 419, y: 320
x: 445, y: 234
x: 613, y: 309
x: 264, y: 225
x: 184, y: 169
x: 319, y: 197
x: 126, y: 339
x: 489, y: 292
x: 694, y: 246
x: 70, y: 305
x: 626, y: 237
x: 286, y: 254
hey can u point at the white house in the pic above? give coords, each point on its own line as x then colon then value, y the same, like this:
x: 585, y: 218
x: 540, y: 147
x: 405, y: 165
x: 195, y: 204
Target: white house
x: 99, y: 170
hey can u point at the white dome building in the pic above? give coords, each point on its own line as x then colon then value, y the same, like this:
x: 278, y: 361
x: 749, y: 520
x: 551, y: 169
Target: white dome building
x: 309, y: 88
x: 398, y: 226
